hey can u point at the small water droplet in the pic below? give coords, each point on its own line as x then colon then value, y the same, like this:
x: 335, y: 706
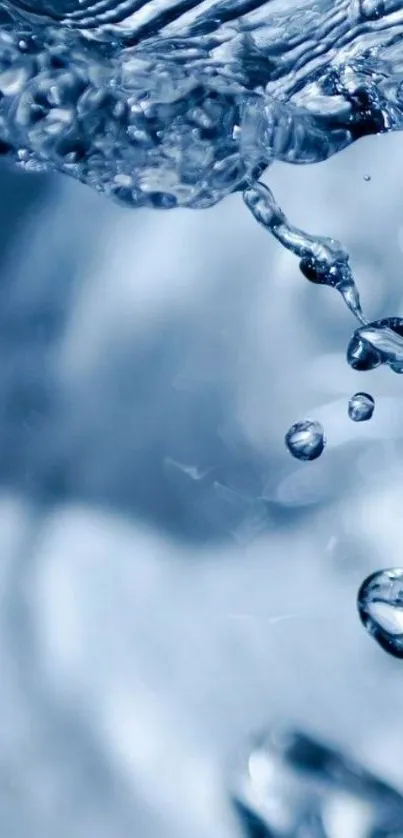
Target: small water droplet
x: 305, y: 440
x: 367, y: 178
x: 361, y: 407
x: 380, y: 606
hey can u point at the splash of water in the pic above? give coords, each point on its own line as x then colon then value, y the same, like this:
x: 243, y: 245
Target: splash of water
x: 172, y: 103
x: 180, y: 102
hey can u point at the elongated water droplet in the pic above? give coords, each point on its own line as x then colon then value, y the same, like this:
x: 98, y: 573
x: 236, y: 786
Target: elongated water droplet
x: 380, y: 342
x: 361, y: 407
x: 380, y: 606
x: 323, y: 260
x: 305, y: 440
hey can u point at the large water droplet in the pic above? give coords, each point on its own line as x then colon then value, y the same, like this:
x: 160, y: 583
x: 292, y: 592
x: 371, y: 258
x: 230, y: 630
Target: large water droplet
x: 379, y: 342
x: 305, y: 440
x: 361, y: 407
x: 380, y: 606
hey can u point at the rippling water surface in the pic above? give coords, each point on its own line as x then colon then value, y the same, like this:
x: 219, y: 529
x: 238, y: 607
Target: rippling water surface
x: 180, y: 103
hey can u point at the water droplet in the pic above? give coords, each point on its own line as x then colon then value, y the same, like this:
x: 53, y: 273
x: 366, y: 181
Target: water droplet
x: 380, y: 342
x: 305, y: 440
x: 361, y: 407
x: 380, y: 606
x: 367, y: 178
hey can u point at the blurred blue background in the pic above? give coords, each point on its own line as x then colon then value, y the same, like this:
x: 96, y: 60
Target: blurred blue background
x: 170, y: 579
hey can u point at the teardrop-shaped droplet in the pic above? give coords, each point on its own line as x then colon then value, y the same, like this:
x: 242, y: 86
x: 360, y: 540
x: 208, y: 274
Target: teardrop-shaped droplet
x: 305, y: 440
x: 361, y: 407
x: 380, y: 606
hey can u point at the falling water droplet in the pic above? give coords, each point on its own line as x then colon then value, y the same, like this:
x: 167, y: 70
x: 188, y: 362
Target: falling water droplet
x: 380, y: 606
x: 380, y: 342
x: 361, y: 407
x: 305, y: 440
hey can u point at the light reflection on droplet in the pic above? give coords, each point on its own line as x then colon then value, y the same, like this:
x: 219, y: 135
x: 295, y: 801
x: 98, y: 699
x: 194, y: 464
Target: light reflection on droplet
x: 380, y: 606
x: 305, y: 440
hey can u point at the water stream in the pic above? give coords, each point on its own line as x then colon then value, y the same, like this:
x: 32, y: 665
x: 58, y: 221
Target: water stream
x: 169, y: 104
x: 178, y: 103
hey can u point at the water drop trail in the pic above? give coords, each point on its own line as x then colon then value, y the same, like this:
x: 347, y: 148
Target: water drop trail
x: 323, y: 260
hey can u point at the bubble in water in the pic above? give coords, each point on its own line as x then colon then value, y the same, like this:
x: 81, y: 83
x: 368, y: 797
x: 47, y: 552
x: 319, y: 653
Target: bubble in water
x: 305, y: 440
x: 379, y: 342
x: 361, y: 407
x: 380, y: 606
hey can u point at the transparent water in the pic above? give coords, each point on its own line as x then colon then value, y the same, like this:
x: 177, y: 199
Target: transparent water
x: 361, y: 407
x: 380, y: 605
x: 171, y: 106
x: 289, y: 784
x: 305, y: 440
x: 179, y: 104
